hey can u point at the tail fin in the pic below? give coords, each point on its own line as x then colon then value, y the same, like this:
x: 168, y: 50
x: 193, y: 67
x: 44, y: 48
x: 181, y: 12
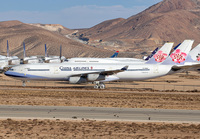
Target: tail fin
x: 179, y: 55
x: 7, y: 49
x: 24, y: 49
x: 162, y: 54
x: 194, y: 55
x: 152, y: 54
x: 45, y: 47
x: 115, y: 54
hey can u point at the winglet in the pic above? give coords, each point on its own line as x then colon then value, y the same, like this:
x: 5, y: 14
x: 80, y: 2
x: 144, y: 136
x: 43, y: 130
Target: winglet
x: 179, y: 55
x: 7, y: 49
x: 24, y: 49
x: 115, y: 54
x: 60, y: 52
x: 45, y: 47
x: 161, y: 54
x: 124, y: 68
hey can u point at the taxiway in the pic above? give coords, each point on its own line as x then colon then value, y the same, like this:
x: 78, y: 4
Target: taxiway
x: 98, y: 113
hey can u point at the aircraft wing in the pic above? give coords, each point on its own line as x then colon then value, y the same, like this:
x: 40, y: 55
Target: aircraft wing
x: 186, y: 67
x: 107, y: 72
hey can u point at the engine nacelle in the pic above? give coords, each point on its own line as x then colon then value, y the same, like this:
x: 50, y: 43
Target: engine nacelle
x: 14, y: 62
x: 95, y: 77
x: 77, y: 80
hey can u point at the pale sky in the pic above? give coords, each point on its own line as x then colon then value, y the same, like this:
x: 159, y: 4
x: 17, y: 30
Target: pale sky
x: 71, y: 13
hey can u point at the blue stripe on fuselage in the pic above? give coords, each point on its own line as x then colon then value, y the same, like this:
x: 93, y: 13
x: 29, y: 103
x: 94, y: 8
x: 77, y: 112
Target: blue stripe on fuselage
x: 22, y: 75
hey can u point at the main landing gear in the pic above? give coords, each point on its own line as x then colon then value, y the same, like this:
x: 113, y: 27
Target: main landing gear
x: 99, y: 85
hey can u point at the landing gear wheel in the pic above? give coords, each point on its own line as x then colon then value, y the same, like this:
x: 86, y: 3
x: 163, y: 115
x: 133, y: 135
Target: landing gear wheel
x: 102, y: 86
x: 99, y: 85
x: 96, y: 87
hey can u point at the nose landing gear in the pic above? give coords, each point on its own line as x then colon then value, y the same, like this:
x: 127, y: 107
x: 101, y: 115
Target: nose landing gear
x: 23, y: 83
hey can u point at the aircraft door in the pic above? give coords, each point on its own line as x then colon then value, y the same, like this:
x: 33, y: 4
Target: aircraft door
x: 155, y: 69
x: 56, y: 70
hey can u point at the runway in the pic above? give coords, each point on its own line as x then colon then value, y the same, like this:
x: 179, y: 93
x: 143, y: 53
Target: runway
x: 96, y: 113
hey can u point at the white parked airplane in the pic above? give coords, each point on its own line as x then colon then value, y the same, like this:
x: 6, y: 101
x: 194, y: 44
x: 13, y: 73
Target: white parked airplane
x: 12, y: 60
x: 53, y: 59
x: 102, y: 72
x: 8, y: 60
x: 30, y: 59
x: 160, y: 56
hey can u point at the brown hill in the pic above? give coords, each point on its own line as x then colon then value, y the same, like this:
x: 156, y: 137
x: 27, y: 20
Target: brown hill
x: 35, y: 38
x: 169, y: 20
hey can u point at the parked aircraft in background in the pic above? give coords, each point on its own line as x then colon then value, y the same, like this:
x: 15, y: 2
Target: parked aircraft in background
x: 3, y: 62
x: 163, y: 53
x: 8, y: 60
x: 115, y: 54
x: 30, y: 59
x: 98, y: 73
x: 12, y: 60
x: 53, y: 59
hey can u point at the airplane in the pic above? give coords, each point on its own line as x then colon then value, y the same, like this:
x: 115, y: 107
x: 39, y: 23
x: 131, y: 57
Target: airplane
x: 165, y: 49
x: 8, y: 60
x: 12, y: 60
x: 98, y: 73
x: 3, y: 62
x: 53, y: 59
x: 115, y: 54
x: 30, y: 59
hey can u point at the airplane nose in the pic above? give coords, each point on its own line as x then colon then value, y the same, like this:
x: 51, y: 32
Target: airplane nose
x: 7, y: 73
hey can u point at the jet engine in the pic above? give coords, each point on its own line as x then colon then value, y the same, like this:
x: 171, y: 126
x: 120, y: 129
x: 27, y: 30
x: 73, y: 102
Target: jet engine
x: 95, y: 77
x: 77, y: 80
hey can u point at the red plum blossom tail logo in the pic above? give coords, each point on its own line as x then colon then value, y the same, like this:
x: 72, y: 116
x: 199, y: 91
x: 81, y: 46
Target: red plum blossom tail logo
x: 178, y: 56
x: 160, y: 56
x: 198, y: 57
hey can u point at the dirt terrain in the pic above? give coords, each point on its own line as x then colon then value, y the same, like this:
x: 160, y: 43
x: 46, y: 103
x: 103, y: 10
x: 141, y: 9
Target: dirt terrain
x: 117, y: 94
x: 179, y: 91
x: 96, y: 98
x: 94, y: 129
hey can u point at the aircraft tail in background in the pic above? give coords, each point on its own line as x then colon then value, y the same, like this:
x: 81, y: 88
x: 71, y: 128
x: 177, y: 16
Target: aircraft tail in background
x: 179, y: 55
x: 115, y: 54
x: 194, y: 55
x: 161, y: 54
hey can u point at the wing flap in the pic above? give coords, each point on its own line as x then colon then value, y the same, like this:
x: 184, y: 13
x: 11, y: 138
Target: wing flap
x: 107, y: 72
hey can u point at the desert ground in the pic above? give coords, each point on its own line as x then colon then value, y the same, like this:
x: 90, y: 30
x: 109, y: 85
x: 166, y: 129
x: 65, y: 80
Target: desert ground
x: 178, y: 91
x: 34, y: 128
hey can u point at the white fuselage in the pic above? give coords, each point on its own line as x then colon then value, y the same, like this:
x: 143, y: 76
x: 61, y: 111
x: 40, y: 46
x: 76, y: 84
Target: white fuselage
x: 62, y: 71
